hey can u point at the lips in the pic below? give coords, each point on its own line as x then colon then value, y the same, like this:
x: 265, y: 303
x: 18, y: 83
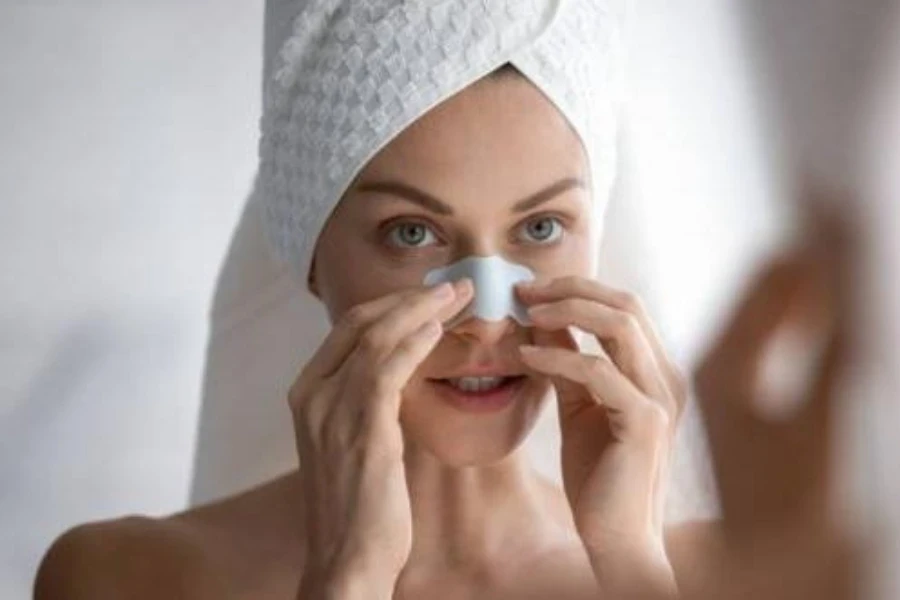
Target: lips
x: 485, y: 371
x: 490, y: 400
x: 504, y: 381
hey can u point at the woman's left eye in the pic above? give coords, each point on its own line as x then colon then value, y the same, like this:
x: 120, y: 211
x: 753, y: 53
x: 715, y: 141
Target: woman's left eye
x: 543, y: 229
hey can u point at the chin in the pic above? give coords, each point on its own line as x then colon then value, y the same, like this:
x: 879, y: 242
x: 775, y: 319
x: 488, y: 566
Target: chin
x: 459, y: 437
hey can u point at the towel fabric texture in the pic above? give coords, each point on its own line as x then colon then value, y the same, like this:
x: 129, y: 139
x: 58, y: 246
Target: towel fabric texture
x: 353, y: 74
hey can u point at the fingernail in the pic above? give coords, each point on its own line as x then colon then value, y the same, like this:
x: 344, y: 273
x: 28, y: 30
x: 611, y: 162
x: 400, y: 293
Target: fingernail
x: 445, y: 290
x: 463, y: 285
x: 525, y: 349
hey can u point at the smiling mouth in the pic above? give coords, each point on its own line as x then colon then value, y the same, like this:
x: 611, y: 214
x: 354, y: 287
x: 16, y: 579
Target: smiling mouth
x: 487, y: 396
x: 479, y: 385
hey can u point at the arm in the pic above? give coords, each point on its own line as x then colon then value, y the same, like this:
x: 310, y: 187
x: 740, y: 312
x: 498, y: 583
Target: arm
x: 641, y: 574
x: 690, y: 552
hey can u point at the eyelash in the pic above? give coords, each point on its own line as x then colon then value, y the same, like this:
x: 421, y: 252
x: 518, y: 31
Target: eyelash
x: 396, y: 224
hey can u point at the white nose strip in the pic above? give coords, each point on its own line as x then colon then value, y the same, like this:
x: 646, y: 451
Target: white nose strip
x: 493, y: 279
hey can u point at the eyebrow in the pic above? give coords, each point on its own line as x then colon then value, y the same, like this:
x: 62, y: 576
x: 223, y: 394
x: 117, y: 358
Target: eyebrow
x: 429, y: 202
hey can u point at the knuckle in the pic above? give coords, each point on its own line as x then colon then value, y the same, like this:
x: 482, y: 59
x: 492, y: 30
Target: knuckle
x: 655, y: 418
x: 573, y: 282
x: 408, y: 345
x: 626, y: 325
x: 296, y: 395
x: 599, y: 367
x: 300, y: 394
x: 320, y: 398
x: 629, y: 302
x: 355, y: 317
x: 372, y: 342
x: 312, y: 422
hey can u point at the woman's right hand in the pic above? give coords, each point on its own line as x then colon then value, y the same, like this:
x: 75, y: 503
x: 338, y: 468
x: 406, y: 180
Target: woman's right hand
x: 346, y: 404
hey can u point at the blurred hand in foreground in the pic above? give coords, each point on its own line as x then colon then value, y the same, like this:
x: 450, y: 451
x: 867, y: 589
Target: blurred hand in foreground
x: 784, y: 533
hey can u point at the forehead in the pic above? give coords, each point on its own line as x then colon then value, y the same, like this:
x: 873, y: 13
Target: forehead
x: 497, y: 133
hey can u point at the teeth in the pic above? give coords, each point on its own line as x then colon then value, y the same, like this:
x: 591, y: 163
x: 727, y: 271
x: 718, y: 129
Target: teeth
x: 476, y: 384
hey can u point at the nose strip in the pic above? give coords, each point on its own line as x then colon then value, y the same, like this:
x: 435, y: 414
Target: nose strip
x: 493, y: 278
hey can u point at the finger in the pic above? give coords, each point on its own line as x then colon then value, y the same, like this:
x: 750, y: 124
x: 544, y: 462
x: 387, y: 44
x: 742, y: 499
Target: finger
x: 818, y: 409
x: 619, y: 299
x: 839, y: 287
x: 621, y: 335
x: 391, y: 376
x: 629, y: 410
x: 377, y: 340
x: 400, y: 321
x: 728, y: 372
x: 558, y: 338
x: 344, y: 336
x: 834, y: 239
x: 310, y: 413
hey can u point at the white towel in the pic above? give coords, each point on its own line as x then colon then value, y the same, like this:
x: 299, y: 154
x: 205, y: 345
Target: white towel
x: 352, y: 75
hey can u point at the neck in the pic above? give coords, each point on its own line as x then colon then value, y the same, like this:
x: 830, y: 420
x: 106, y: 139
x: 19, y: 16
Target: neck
x: 467, y: 518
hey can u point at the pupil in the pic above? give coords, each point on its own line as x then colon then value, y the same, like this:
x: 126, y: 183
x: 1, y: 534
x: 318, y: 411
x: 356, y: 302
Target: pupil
x: 537, y: 226
x: 412, y: 239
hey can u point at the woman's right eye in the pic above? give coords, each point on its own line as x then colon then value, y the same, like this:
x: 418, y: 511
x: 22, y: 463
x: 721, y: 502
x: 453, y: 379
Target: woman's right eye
x: 409, y: 235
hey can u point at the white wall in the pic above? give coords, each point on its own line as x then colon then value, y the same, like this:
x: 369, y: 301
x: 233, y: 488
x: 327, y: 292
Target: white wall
x: 127, y: 145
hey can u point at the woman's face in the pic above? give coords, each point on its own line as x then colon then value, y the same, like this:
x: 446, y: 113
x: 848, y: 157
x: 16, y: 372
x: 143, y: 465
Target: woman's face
x: 453, y: 185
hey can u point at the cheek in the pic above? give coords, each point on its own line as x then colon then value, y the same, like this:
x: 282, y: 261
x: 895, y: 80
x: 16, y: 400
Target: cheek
x: 391, y: 274
x: 583, y: 243
x: 363, y: 280
x: 572, y: 258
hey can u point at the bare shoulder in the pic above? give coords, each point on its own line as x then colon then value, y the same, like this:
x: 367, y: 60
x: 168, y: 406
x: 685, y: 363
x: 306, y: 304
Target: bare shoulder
x: 247, y: 545
x: 134, y: 557
x: 691, y: 546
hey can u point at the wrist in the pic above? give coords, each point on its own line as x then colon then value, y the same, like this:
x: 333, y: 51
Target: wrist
x: 636, y: 572
x: 348, y: 583
x: 360, y: 586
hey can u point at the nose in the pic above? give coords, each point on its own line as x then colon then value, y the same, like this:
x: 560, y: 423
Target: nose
x: 483, y: 333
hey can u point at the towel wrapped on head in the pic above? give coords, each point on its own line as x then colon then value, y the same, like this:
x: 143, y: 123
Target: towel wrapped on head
x: 352, y: 75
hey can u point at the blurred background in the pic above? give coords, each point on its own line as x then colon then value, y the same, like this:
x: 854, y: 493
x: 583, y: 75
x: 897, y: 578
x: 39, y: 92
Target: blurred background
x: 128, y: 144
x: 128, y: 147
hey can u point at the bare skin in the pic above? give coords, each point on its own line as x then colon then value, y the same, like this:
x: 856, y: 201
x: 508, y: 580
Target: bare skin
x: 251, y: 546
x: 485, y: 524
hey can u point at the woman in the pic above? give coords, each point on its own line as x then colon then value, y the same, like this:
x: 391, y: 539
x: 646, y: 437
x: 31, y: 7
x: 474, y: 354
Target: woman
x: 411, y: 484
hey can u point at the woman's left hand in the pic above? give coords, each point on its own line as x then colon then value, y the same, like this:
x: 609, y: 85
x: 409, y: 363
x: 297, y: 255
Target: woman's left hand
x: 617, y: 417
